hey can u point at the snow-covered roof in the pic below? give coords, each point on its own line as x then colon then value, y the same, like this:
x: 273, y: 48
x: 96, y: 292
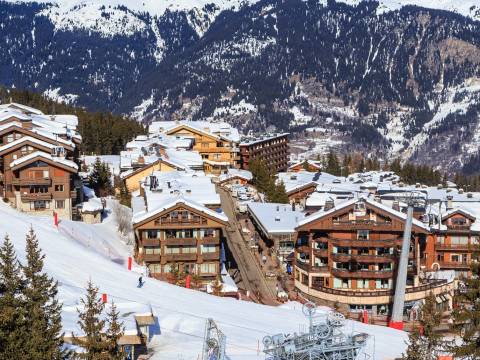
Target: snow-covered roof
x: 24, y: 140
x: 220, y: 129
x: 159, y: 207
x: 313, y: 163
x: 45, y: 156
x: 248, y: 141
x: 458, y: 211
x: 92, y: 205
x: 232, y: 173
x: 24, y: 108
x: 320, y: 214
x: 275, y: 218
x: 191, y: 159
x: 192, y: 186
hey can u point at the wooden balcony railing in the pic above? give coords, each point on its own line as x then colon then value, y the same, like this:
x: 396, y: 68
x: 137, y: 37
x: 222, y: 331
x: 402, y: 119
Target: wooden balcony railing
x: 35, y: 197
x: 211, y: 256
x: 363, y: 274
x: 388, y: 242
x: 373, y: 293
x: 151, y: 257
x: 458, y: 226
x: 453, y: 247
x: 210, y: 240
x: 181, y: 257
x: 180, y: 241
x: 454, y: 265
x: 361, y: 258
x: 181, y: 221
x: 150, y: 242
x: 302, y: 265
x: 27, y: 182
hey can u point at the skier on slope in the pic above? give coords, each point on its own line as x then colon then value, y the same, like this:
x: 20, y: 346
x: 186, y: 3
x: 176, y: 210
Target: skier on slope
x: 140, y: 282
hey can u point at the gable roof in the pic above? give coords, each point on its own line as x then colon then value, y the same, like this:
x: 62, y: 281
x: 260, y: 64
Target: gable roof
x: 37, y: 133
x: 129, y: 174
x: 25, y: 139
x: 40, y: 155
x: 463, y: 212
x: 398, y: 214
x: 145, y: 216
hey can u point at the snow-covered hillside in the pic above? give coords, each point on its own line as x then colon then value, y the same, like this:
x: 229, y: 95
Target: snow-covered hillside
x: 78, y: 252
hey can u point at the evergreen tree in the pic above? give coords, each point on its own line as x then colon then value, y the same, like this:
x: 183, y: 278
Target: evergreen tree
x: 262, y: 177
x: 425, y: 343
x: 91, y: 324
x: 278, y: 194
x: 44, y: 322
x: 100, y: 179
x: 12, y: 312
x: 333, y: 165
x: 466, y: 317
x: 416, y: 348
x: 124, y: 196
x: 113, y: 334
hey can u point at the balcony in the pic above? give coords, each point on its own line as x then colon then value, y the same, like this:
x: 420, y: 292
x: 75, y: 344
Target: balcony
x: 454, y: 265
x: 150, y: 242
x: 210, y: 240
x: 36, y: 197
x: 180, y: 221
x: 389, y: 242
x: 181, y: 257
x: 211, y: 256
x: 28, y: 182
x: 370, y: 224
x: 181, y: 241
x: 461, y: 227
x: 453, y: 247
x: 367, y: 258
x: 302, y: 265
x: 362, y: 274
x: 320, y: 252
x: 151, y: 257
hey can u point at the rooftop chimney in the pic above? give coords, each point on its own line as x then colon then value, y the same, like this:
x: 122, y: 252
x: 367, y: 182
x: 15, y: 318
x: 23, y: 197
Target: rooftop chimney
x: 396, y: 206
x: 329, y: 204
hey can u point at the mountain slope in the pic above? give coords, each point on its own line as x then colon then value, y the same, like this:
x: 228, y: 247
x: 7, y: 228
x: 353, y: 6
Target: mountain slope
x: 375, y: 74
x: 92, y: 254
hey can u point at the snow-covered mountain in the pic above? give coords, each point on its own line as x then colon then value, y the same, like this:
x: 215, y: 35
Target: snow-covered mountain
x: 77, y: 252
x: 379, y: 72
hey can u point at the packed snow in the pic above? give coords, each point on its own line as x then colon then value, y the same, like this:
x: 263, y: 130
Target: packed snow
x: 77, y: 252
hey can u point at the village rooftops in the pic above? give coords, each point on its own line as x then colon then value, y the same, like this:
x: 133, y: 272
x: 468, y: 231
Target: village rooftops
x: 297, y: 180
x: 236, y: 173
x: 275, y: 218
x: 252, y: 140
x: 191, y: 186
x: 220, y: 129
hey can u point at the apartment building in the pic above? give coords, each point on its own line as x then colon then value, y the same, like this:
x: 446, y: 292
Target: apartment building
x: 349, y: 255
x: 179, y: 226
x: 215, y: 142
x: 271, y: 149
x: 38, y: 160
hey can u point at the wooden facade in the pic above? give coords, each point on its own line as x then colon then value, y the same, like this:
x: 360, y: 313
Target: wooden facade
x: 356, y: 249
x: 41, y: 184
x: 218, y: 153
x: 452, y: 248
x: 180, y: 239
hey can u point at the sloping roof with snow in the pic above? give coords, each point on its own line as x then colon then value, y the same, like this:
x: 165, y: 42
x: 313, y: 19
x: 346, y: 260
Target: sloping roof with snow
x: 321, y: 214
x: 44, y: 156
x: 23, y: 108
x: 458, y: 211
x: 275, y: 218
x: 218, y: 130
x: 26, y: 139
x: 173, y: 202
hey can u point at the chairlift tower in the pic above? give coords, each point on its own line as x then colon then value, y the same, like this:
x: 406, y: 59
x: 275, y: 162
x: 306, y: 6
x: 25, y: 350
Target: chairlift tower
x: 324, y: 340
x: 396, y: 321
x: 214, y: 342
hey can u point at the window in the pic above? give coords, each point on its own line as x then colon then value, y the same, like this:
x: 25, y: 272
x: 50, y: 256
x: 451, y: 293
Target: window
x: 455, y: 258
x: 39, y: 205
x: 9, y: 138
x: 152, y: 250
x: 217, y: 156
x: 60, y: 204
x: 168, y: 268
x: 363, y: 234
x: 440, y: 257
x: 362, y: 284
x: 189, y: 250
x: 459, y: 240
x: 205, y: 145
x: 152, y: 234
x: 154, y: 268
x: 172, y: 250
x: 38, y: 189
x: 58, y: 187
x: 14, y: 156
x: 205, y: 156
x: 440, y: 239
x: 208, y: 248
x: 208, y: 268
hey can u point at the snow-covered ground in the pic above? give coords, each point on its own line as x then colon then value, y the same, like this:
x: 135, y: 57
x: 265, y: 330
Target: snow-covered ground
x: 77, y: 252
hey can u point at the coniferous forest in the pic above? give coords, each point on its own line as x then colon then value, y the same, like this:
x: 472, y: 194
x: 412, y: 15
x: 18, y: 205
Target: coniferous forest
x: 102, y: 132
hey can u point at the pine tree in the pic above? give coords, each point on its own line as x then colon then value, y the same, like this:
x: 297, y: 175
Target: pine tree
x: 416, y: 348
x: 333, y: 166
x: 100, y: 179
x: 114, y: 333
x: 466, y: 317
x: 12, y: 312
x: 92, y: 325
x: 44, y: 322
x: 278, y: 194
x: 124, y: 195
x: 425, y: 343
